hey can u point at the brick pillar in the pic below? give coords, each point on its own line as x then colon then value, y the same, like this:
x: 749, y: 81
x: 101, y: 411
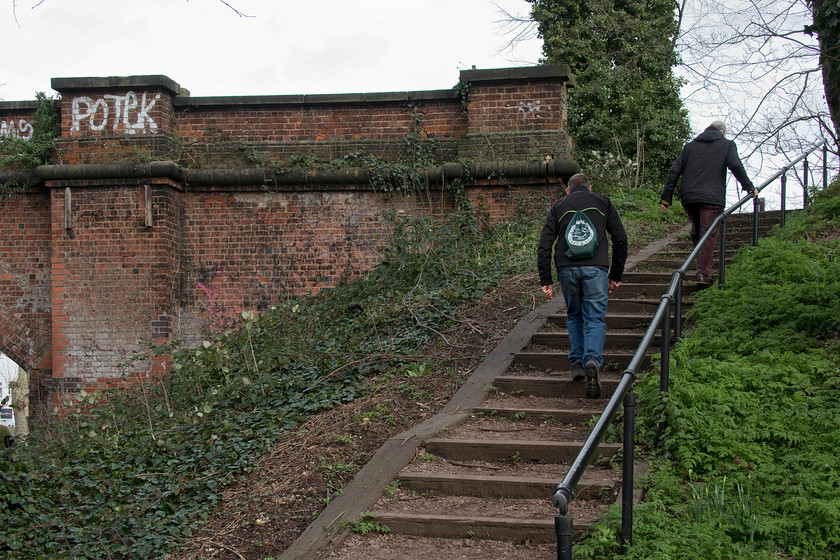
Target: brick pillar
x: 518, y: 113
x: 116, y: 119
x: 114, y: 271
x: 115, y: 229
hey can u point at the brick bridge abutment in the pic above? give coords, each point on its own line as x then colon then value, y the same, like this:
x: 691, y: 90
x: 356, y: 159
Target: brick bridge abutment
x: 163, y: 216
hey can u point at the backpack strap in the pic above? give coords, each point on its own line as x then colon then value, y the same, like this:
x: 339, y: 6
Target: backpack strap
x: 581, y: 210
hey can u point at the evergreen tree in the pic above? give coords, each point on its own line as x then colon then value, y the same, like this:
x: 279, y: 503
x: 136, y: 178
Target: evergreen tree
x: 827, y: 28
x: 626, y: 101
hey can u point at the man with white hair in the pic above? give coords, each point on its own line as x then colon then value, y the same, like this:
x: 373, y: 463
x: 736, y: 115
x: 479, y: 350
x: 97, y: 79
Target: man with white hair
x: 702, y: 164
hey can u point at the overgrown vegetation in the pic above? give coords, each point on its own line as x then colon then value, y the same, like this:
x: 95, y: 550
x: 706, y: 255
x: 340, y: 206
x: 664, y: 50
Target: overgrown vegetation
x: 749, y: 468
x: 626, y: 100
x: 130, y: 474
x: 23, y: 156
x: 130, y: 478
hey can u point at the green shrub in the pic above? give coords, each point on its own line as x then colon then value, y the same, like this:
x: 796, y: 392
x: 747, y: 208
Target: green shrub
x: 752, y: 409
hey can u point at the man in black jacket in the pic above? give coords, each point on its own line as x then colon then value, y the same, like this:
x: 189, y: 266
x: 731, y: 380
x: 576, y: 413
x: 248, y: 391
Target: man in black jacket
x: 586, y: 282
x: 702, y: 163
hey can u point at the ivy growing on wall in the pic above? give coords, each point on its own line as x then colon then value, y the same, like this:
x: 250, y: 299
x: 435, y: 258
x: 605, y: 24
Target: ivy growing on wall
x: 23, y: 156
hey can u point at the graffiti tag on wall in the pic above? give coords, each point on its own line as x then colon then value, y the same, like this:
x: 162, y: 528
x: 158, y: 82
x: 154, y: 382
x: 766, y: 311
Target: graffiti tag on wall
x: 126, y: 113
x: 530, y: 109
x: 16, y: 129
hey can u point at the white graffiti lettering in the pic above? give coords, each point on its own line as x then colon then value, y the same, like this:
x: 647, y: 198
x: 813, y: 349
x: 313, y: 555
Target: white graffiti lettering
x: 20, y: 129
x: 130, y: 115
x: 530, y: 109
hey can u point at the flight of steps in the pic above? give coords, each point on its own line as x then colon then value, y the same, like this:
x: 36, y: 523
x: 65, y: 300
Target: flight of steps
x: 483, y: 488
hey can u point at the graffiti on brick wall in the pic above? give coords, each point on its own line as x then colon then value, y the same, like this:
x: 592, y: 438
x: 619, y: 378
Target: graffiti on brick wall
x: 126, y: 113
x: 16, y: 129
x: 531, y: 109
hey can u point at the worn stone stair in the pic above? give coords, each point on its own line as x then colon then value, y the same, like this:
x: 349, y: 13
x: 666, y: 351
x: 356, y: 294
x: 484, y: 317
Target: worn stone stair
x: 481, y: 486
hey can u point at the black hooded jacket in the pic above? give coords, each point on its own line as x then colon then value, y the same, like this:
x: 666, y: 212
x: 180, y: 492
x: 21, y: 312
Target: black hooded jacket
x: 702, y: 163
x: 606, y: 220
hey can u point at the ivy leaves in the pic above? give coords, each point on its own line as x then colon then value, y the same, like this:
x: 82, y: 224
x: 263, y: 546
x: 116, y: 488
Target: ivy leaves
x: 131, y: 473
x: 24, y: 156
x: 754, y: 402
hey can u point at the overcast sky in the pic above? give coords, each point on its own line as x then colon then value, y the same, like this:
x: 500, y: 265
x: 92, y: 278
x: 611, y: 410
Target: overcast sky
x: 283, y: 47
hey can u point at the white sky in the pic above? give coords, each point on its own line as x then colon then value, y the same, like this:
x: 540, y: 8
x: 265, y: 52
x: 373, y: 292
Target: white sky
x: 8, y: 373
x: 285, y: 47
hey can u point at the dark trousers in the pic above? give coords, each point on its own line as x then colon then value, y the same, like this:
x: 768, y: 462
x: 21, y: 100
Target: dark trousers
x: 701, y: 217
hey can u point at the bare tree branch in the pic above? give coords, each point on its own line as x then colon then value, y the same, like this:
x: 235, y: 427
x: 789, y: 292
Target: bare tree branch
x: 753, y: 64
x: 39, y: 2
x: 237, y: 12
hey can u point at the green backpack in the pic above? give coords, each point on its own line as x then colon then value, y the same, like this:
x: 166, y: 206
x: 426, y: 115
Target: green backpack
x: 581, y: 236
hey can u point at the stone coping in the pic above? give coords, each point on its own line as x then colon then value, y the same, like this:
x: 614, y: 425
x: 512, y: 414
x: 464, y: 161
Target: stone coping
x: 183, y: 99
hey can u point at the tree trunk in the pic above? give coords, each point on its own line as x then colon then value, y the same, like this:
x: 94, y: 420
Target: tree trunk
x: 831, y: 80
x: 828, y: 34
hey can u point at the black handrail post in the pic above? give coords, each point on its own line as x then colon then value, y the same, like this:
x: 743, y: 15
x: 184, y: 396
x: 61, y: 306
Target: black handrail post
x: 664, y: 363
x: 755, y: 221
x: 825, y: 165
x: 784, y: 194
x: 805, y: 183
x: 722, y: 252
x: 628, y: 465
x: 564, y: 528
x: 677, y: 310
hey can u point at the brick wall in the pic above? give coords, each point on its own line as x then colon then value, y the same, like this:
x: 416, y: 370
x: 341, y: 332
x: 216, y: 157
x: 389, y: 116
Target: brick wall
x: 113, y: 277
x: 163, y: 216
x: 25, y: 253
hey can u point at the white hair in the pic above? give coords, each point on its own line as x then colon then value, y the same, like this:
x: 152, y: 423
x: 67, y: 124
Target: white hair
x: 720, y: 126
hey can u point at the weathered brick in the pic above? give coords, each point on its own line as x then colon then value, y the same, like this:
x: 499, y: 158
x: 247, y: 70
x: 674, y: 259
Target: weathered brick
x: 77, y: 298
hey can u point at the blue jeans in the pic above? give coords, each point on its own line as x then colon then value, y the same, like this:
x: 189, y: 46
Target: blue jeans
x: 585, y: 289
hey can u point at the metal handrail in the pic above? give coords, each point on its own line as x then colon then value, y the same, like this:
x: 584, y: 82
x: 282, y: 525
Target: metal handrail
x: 564, y: 493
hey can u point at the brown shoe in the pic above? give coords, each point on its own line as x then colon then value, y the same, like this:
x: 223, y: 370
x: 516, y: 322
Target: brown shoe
x: 703, y: 279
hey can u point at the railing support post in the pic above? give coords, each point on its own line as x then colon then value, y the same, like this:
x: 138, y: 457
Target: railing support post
x: 664, y: 365
x: 825, y: 165
x: 678, y: 310
x: 628, y: 467
x: 805, y: 183
x: 722, y: 253
x: 755, y: 221
x: 784, y: 194
x: 564, y: 528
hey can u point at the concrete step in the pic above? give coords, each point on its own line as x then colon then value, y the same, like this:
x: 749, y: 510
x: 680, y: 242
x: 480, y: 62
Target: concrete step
x: 568, y: 416
x: 488, y: 486
x: 620, y: 321
x: 539, y: 530
x: 642, y: 276
x: 555, y: 387
x: 615, y: 361
x: 512, y: 450
x: 633, y: 290
x: 559, y: 340
x: 398, y: 547
x: 670, y: 264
